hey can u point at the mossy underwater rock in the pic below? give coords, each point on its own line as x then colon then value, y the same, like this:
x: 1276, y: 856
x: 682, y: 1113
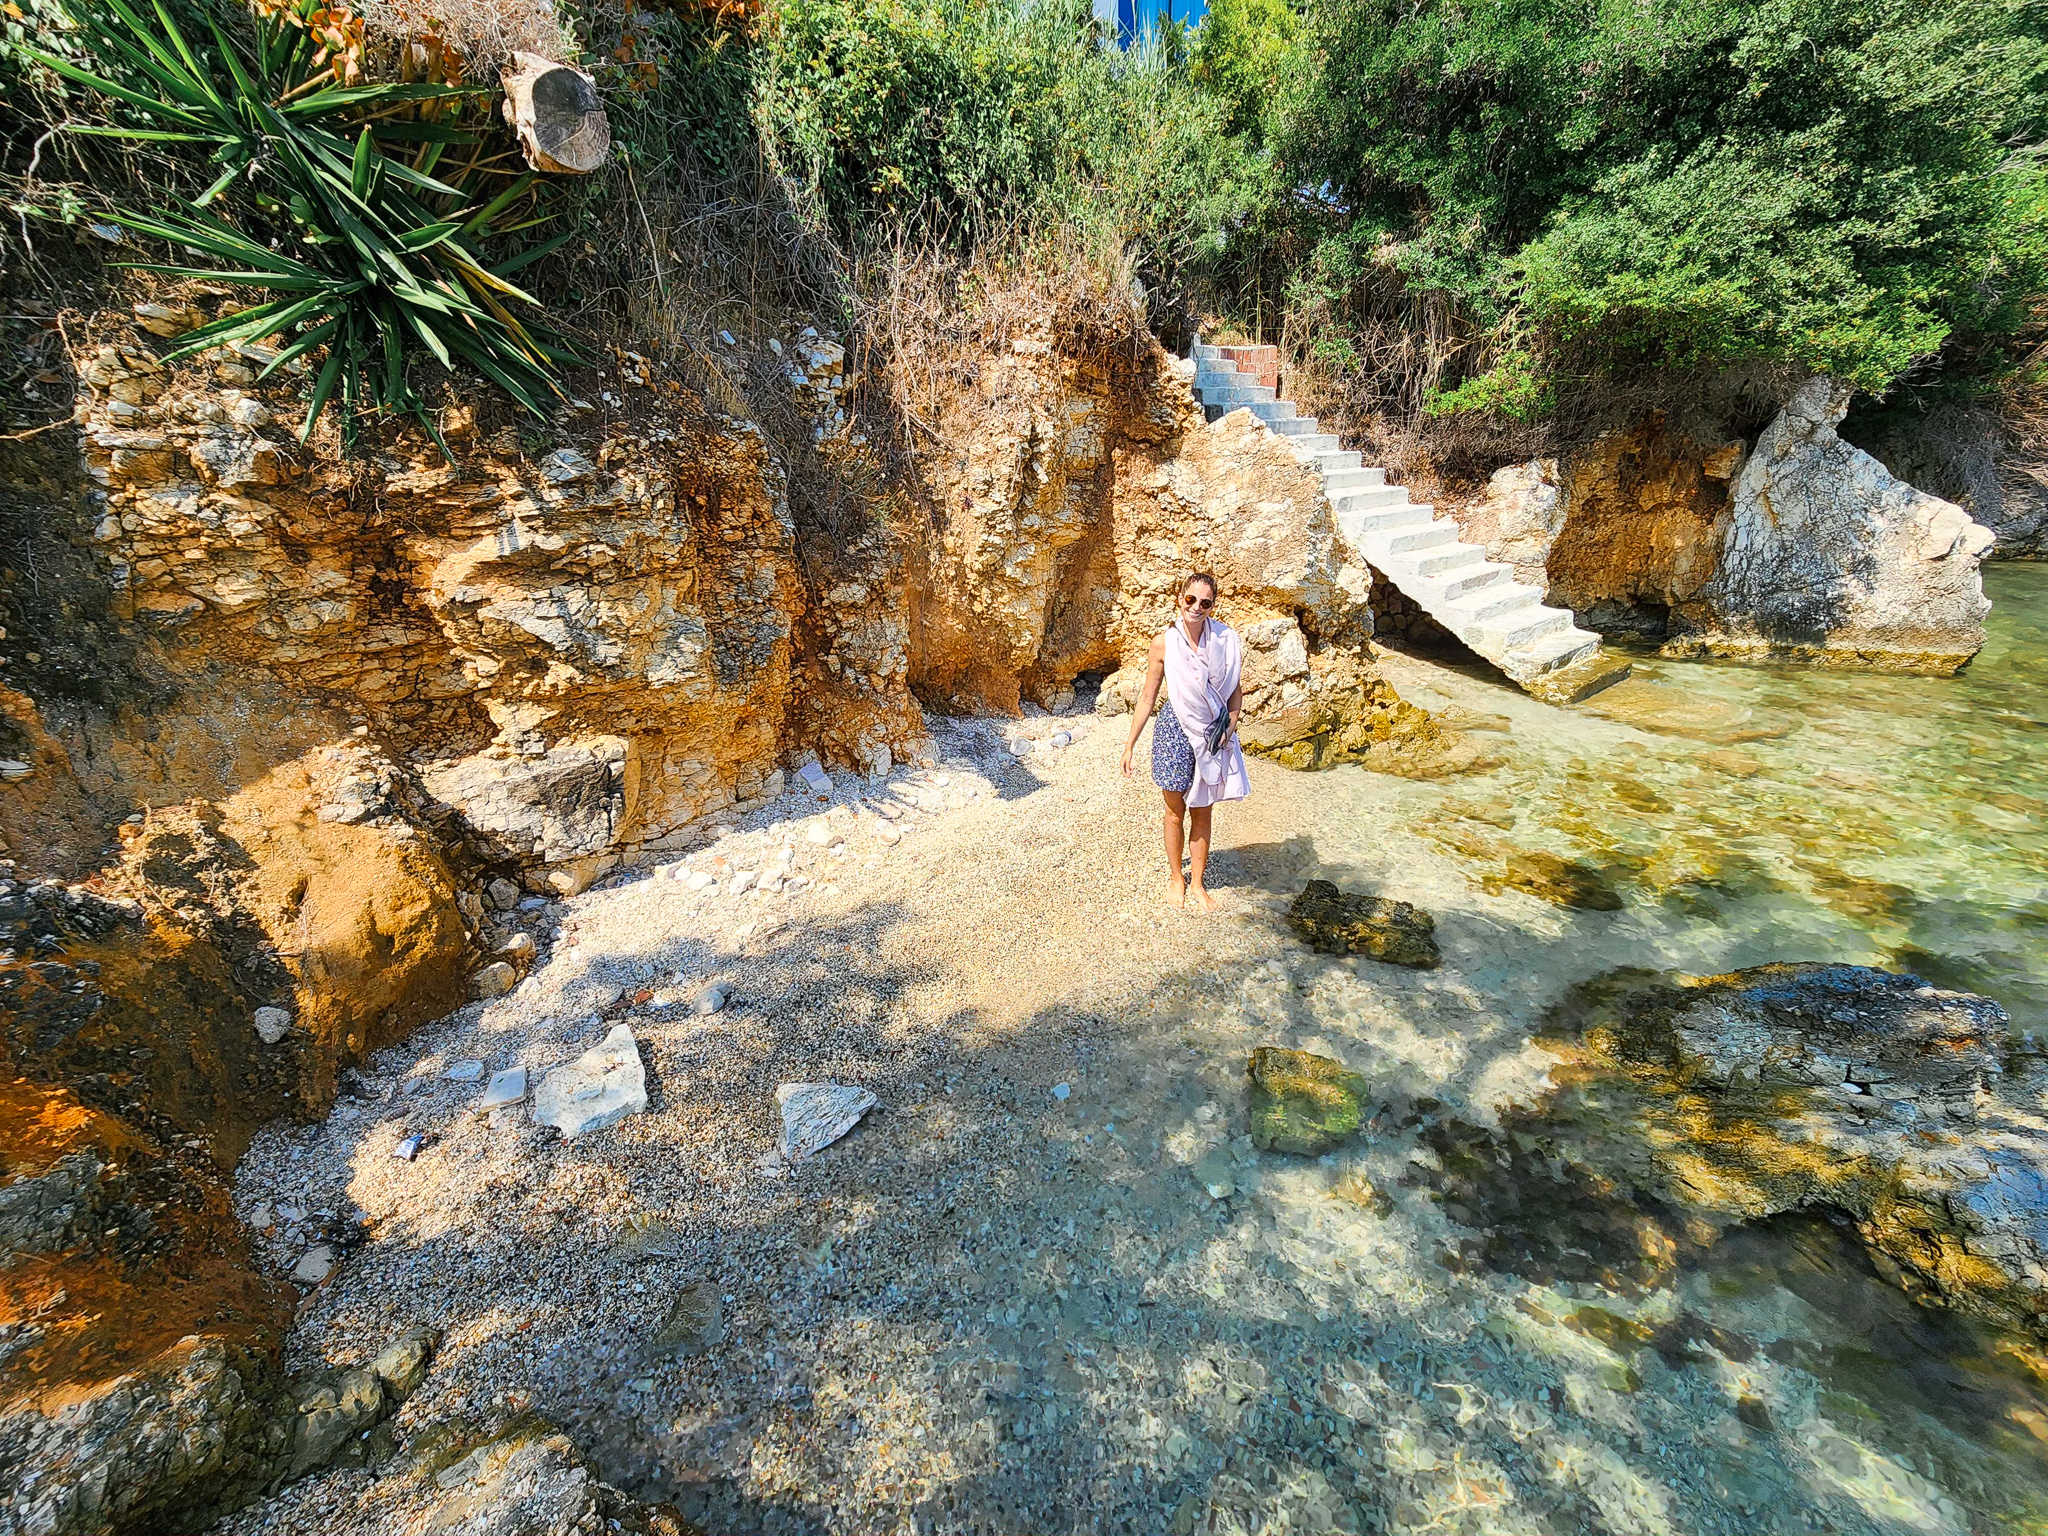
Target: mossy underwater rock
x: 1901, y: 1105
x: 1554, y: 879
x: 1303, y: 1103
x: 1335, y: 922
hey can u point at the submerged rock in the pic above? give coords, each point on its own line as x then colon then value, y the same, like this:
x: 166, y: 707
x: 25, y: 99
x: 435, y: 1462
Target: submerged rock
x: 1563, y: 881
x: 694, y: 1324
x: 1303, y: 1103
x: 1335, y: 922
x: 1792, y: 1087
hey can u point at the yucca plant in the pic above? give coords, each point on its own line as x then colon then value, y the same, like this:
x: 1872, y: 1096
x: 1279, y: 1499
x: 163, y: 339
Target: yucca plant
x: 338, y: 213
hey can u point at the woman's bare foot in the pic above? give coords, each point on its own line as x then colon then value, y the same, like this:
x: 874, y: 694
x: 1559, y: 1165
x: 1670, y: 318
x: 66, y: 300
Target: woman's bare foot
x: 1176, y: 891
x: 1201, y: 894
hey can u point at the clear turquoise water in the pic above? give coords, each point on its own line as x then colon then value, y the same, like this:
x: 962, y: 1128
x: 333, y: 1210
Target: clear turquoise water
x: 1747, y: 814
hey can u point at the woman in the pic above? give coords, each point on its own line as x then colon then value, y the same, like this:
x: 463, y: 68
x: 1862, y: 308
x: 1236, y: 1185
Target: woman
x: 1200, y: 658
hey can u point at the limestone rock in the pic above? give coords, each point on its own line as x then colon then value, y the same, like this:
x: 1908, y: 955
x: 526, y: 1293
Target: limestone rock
x: 1337, y: 922
x: 1303, y: 1103
x: 272, y: 1024
x: 1940, y: 1156
x: 600, y: 1088
x: 199, y: 1431
x: 506, y: 1087
x: 559, y: 805
x: 1518, y: 519
x: 527, y: 1482
x: 1827, y: 558
x: 814, y: 1115
x: 494, y: 980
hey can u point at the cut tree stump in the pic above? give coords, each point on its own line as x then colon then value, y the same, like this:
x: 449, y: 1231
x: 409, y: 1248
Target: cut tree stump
x: 556, y: 111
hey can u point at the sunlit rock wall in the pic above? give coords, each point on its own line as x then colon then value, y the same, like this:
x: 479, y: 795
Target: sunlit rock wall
x: 1799, y: 547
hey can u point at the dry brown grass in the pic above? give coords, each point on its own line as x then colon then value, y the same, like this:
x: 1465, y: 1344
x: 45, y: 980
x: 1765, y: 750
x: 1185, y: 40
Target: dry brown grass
x: 485, y: 33
x: 928, y: 317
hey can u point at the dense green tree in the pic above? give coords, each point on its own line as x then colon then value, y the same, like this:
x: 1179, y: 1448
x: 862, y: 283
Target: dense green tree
x: 1842, y: 185
x: 1247, y: 52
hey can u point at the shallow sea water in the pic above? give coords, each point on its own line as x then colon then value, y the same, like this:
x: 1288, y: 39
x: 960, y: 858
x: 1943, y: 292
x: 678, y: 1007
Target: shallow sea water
x: 1744, y: 815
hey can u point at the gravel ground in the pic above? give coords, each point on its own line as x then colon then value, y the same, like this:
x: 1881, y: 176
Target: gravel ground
x: 1008, y: 1300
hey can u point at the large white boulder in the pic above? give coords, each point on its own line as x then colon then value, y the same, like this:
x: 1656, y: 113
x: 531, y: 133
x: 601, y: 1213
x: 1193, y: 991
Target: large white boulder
x: 1825, y: 557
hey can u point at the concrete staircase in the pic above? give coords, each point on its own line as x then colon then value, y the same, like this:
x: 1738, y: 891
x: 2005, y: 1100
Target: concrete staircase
x: 1476, y: 599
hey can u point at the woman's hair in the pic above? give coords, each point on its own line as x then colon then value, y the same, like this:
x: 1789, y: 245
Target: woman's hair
x: 1202, y: 576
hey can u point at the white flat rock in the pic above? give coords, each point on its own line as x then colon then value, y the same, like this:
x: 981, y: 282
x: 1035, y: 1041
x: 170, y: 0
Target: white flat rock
x: 817, y: 778
x: 315, y: 1265
x: 599, y: 1088
x: 465, y: 1071
x: 814, y: 1115
x: 506, y: 1087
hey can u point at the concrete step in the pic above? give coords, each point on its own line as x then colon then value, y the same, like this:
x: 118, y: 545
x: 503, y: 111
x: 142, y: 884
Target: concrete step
x: 1204, y: 353
x: 1345, y: 483
x: 1224, y: 378
x: 1336, y: 461
x: 1486, y: 574
x: 1489, y: 603
x: 1521, y: 628
x: 1293, y: 426
x: 1384, y: 520
x: 1558, y: 648
x: 1442, y: 562
x: 1411, y: 541
x: 1237, y: 394
x: 1372, y: 495
x: 1271, y: 410
x: 1316, y: 442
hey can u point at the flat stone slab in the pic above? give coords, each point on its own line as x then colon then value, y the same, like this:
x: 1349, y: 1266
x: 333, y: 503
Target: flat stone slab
x: 1336, y: 922
x: 599, y: 1088
x: 1303, y: 1103
x: 814, y: 1115
x: 506, y: 1087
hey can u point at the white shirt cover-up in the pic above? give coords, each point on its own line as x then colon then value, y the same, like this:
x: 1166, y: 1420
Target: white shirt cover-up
x: 1200, y: 679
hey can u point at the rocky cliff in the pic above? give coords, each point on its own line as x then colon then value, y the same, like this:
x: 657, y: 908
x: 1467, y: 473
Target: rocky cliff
x: 1798, y: 547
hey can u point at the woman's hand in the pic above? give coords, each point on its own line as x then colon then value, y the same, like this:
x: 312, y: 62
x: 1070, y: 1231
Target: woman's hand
x: 1127, y: 762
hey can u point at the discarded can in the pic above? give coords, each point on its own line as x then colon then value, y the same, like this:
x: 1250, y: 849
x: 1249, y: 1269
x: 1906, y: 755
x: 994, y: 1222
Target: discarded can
x: 411, y: 1147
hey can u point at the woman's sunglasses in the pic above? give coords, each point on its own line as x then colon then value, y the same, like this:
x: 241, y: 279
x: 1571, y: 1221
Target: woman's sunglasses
x: 1204, y: 603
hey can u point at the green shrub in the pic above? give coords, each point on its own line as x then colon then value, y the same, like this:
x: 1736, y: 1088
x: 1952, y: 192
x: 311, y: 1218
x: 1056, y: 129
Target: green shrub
x: 366, y: 252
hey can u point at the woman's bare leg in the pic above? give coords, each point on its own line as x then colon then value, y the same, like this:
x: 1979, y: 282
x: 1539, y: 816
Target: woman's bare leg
x: 1198, y: 854
x: 1176, y: 807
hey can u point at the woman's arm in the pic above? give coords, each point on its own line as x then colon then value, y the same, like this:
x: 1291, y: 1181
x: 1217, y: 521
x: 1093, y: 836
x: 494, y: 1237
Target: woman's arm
x: 1236, y: 705
x: 1155, y: 673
